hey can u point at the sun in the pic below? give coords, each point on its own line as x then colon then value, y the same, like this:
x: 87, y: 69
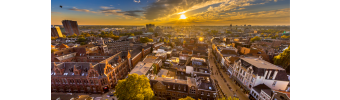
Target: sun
x: 182, y: 17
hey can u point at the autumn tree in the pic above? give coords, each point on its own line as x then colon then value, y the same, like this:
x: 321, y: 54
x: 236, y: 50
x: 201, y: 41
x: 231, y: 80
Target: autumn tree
x: 186, y: 98
x: 156, y: 34
x: 53, y: 50
x: 150, y: 30
x: 262, y: 34
x: 229, y: 98
x: 283, y: 58
x: 145, y: 40
x: 52, y: 38
x: 134, y: 87
x: 284, y: 36
x: 256, y: 38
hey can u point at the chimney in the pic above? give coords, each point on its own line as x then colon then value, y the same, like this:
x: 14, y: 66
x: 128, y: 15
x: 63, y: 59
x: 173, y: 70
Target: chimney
x: 275, y: 73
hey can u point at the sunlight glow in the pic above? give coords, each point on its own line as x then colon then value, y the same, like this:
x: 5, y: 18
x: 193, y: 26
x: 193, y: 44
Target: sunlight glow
x: 182, y: 17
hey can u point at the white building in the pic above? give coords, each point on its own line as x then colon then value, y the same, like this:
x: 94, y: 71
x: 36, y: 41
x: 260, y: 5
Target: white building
x: 250, y: 71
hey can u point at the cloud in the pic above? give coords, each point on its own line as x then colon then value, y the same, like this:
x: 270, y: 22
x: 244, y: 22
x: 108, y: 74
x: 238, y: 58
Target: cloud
x: 168, y: 8
x: 104, y: 7
x: 81, y: 10
x: 56, y: 12
x: 132, y: 13
x: 110, y: 11
x: 136, y: 1
x: 279, y: 16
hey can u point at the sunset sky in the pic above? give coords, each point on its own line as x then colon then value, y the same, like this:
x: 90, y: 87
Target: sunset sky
x: 169, y: 12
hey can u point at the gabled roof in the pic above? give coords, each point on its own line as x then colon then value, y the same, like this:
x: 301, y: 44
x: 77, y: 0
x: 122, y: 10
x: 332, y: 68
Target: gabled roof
x: 264, y: 88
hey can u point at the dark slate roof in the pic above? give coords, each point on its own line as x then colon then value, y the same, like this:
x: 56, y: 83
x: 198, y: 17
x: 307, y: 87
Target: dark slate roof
x: 281, y: 75
x: 206, y: 83
x: 201, y: 51
x: 264, y: 88
x: 228, y: 51
x: 84, y: 66
x: 135, y: 51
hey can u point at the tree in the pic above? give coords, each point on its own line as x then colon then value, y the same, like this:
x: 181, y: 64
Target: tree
x: 150, y: 30
x: 132, y: 34
x: 156, y: 34
x: 155, y: 70
x: 134, y: 87
x: 262, y: 34
x: 229, y: 98
x: 186, y: 98
x: 228, y: 32
x: 64, y: 36
x: 284, y: 36
x: 145, y: 40
x: 81, y: 39
x: 214, y: 32
x: 53, y: 50
x: 52, y: 38
x: 82, y: 43
x: 74, y: 35
x: 256, y: 38
x: 283, y: 58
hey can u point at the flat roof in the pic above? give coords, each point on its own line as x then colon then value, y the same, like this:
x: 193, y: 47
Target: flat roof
x: 141, y: 68
x: 261, y: 63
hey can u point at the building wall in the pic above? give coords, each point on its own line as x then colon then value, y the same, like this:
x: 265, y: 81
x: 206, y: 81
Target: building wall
x: 264, y: 96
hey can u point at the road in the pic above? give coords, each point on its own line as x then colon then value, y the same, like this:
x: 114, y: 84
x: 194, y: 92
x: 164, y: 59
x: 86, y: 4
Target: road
x: 65, y: 96
x: 216, y: 74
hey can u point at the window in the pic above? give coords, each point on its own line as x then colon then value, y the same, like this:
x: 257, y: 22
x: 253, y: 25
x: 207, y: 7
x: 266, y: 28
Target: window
x: 179, y: 87
x: 208, y: 94
x: 173, y: 87
x: 274, y: 83
x: 202, y: 93
x: 185, y: 88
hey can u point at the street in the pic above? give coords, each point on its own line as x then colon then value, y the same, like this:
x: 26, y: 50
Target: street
x: 68, y: 96
x: 216, y: 75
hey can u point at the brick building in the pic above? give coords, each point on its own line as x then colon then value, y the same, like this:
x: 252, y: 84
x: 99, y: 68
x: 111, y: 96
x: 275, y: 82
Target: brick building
x: 88, y: 77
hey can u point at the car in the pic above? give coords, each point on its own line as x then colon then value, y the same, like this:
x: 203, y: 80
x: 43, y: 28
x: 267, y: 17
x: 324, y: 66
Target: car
x: 109, y: 94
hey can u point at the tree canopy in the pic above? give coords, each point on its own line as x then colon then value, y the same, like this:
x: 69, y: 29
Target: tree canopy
x: 186, y: 98
x: 284, y: 36
x: 145, y: 40
x: 53, y: 50
x: 52, y: 38
x: 256, y: 38
x: 150, y: 30
x: 229, y: 98
x: 81, y: 39
x: 135, y: 87
x: 283, y: 58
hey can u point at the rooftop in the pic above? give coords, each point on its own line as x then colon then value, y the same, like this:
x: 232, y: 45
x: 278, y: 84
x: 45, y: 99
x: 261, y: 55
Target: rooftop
x: 141, y: 68
x: 261, y: 63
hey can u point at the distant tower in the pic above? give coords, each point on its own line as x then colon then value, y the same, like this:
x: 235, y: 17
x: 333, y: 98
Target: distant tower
x: 71, y: 27
x: 129, y: 60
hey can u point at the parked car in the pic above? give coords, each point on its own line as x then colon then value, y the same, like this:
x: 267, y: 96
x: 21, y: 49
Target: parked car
x: 110, y: 94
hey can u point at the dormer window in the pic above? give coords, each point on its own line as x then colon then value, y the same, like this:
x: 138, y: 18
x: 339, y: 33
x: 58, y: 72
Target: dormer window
x: 274, y: 83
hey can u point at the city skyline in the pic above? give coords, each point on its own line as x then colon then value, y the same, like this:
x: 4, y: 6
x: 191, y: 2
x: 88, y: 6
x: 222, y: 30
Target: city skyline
x: 174, y: 12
